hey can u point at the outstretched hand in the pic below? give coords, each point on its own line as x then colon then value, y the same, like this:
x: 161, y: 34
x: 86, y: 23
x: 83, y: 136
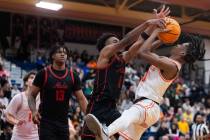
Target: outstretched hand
x: 164, y: 12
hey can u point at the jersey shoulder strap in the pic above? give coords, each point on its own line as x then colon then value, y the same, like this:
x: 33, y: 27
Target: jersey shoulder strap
x: 72, y: 75
x: 45, y: 75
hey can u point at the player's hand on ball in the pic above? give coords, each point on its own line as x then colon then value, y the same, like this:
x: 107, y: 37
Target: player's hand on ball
x: 161, y: 23
x: 164, y: 12
x: 36, y: 117
x: 160, y: 30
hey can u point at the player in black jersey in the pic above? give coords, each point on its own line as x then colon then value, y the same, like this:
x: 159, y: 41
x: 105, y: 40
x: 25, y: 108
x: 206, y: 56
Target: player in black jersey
x: 110, y: 72
x: 56, y: 84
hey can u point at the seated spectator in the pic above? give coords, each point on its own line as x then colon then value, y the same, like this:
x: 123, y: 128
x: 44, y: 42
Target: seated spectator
x: 40, y: 62
x: 3, y: 73
x: 5, y: 127
x: 151, y: 138
x: 162, y: 131
x: 179, y: 114
x: 174, y: 132
x: 188, y: 116
x: 88, y: 88
x: 6, y: 88
x: 183, y: 126
x: 165, y: 137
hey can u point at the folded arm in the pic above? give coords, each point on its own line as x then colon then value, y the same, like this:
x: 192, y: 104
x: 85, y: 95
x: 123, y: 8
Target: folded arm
x: 168, y: 68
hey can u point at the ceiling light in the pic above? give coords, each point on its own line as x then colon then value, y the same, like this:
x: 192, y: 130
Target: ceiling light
x: 49, y: 4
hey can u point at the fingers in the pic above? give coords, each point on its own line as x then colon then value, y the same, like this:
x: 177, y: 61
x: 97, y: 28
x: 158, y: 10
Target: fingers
x: 165, y: 30
x: 155, y: 11
x: 36, y: 118
x: 38, y: 122
x: 163, y: 8
x: 167, y: 9
x: 39, y: 116
x: 162, y: 23
x: 20, y: 122
x: 167, y: 12
x: 163, y: 12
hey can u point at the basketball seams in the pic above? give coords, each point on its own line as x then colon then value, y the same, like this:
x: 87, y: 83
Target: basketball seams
x: 173, y: 34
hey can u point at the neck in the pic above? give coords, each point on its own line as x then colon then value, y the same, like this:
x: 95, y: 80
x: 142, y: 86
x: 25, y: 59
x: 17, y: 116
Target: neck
x: 178, y: 59
x: 27, y: 91
x: 57, y: 66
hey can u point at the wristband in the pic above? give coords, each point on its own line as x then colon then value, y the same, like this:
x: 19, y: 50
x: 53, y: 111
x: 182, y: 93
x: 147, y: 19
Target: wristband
x: 144, y: 35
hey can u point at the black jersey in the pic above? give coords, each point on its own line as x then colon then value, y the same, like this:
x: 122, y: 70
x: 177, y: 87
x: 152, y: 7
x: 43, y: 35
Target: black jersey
x: 56, y: 89
x: 109, y: 80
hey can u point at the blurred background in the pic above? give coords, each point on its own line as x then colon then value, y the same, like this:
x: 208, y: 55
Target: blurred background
x: 28, y: 32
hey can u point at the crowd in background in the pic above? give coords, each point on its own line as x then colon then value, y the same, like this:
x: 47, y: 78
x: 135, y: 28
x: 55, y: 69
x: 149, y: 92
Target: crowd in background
x: 183, y: 101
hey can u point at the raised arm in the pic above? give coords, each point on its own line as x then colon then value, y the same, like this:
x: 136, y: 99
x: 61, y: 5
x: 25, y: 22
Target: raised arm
x: 129, y: 39
x: 132, y: 37
x: 169, y: 69
x: 132, y: 51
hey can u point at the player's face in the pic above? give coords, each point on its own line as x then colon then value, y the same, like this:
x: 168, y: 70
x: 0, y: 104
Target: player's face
x: 30, y: 80
x: 112, y: 40
x: 60, y: 55
x: 180, y: 49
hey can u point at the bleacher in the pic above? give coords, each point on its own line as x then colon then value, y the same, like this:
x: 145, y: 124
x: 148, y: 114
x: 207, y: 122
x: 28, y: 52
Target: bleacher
x: 16, y: 73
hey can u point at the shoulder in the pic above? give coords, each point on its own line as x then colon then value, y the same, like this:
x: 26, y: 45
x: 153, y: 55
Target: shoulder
x: 41, y: 72
x: 18, y: 96
x: 17, y: 99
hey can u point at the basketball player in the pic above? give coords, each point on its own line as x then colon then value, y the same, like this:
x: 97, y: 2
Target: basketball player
x: 111, y: 69
x: 162, y: 72
x: 19, y: 114
x: 56, y: 84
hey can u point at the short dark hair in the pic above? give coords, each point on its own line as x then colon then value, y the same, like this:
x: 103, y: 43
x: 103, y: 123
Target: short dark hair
x: 3, y: 81
x: 25, y: 78
x: 196, y: 115
x: 196, y: 48
x: 102, y: 40
x: 55, y: 48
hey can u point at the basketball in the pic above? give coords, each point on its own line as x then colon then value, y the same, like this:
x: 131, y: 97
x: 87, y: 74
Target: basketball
x: 174, y: 33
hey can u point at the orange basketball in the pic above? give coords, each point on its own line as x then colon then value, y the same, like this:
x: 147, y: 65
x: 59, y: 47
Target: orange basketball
x: 174, y: 33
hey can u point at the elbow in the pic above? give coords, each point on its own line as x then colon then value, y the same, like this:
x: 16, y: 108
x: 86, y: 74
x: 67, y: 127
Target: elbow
x: 7, y: 117
x: 142, y: 53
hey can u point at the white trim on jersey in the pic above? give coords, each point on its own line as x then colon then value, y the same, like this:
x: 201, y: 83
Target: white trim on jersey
x: 199, y: 130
